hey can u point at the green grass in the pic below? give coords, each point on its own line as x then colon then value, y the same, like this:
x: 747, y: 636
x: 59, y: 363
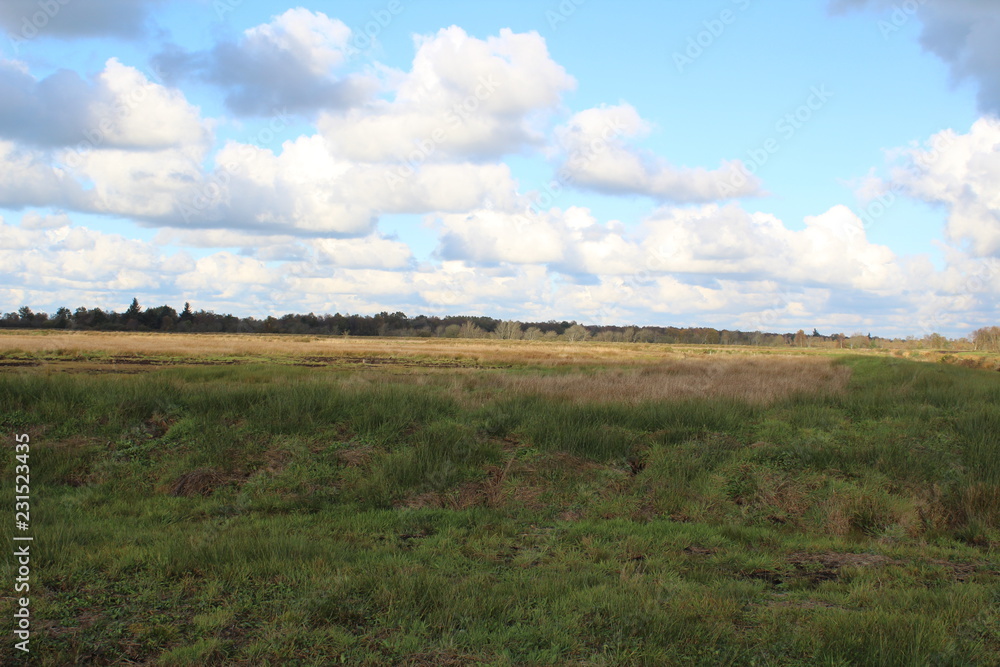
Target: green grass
x: 265, y: 514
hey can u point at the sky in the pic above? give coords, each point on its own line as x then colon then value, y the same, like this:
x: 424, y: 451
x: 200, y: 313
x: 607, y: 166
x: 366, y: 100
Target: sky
x: 739, y: 164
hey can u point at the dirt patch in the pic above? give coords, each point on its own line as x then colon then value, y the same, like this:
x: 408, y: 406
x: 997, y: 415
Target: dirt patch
x: 827, y: 566
x: 199, y: 482
x: 422, y: 500
x: 489, y: 492
x: 817, y: 568
x: 770, y: 577
x: 315, y: 362
x: 158, y: 425
x: 355, y: 457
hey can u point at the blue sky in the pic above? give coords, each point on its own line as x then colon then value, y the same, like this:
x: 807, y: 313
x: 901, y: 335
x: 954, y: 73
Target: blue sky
x: 733, y: 163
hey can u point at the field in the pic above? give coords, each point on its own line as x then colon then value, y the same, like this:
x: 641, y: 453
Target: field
x: 265, y: 500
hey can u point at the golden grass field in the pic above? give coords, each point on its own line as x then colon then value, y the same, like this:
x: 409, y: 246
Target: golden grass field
x: 283, y: 346
x: 588, y: 371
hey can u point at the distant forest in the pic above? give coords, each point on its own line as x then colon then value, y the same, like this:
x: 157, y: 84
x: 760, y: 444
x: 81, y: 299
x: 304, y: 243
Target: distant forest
x: 166, y: 318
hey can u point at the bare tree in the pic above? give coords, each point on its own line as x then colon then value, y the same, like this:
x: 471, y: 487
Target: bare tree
x: 533, y: 333
x: 576, y: 332
x: 470, y: 330
x: 508, y: 330
x: 987, y: 339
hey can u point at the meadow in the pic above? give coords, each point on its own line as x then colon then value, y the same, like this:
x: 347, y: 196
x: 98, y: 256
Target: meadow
x: 284, y: 500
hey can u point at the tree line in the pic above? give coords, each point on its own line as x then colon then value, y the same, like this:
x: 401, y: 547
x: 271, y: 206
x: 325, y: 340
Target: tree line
x: 166, y: 318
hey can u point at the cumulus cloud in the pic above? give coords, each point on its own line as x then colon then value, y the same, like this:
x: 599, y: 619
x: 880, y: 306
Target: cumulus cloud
x: 35, y: 220
x: 815, y: 275
x: 27, y: 19
x: 69, y: 261
x: 708, y: 243
x: 464, y: 97
x: 960, y: 32
x: 226, y: 275
x: 138, y: 149
x: 598, y: 156
x: 139, y: 184
x: 489, y: 237
x: 832, y: 250
x: 370, y: 252
x: 288, y: 64
x: 300, y: 190
x: 960, y: 171
x: 46, y: 112
x: 27, y: 178
x: 306, y: 190
x: 571, y: 242
x: 119, y: 108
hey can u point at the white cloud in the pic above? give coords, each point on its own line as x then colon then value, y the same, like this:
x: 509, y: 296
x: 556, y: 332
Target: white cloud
x: 710, y: 242
x: 463, y: 98
x: 219, y: 238
x: 314, y: 40
x: 34, y: 220
x: 119, y: 108
x: 488, y: 236
x: 960, y: 171
x: 28, y: 179
x: 306, y: 190
x: 69, y: 261
x: 139, y: 184
x: 570, y: 242
x: 597, y: 156
x: 120, y: 144
x: 289, y: 63
x: 137, y: 113
x: 371, y: 252
x: 807, y: 278
x: 832, y: 249
x: 225, y: 275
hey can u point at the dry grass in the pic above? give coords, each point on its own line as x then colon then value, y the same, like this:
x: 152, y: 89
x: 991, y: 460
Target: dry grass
x: 620, y: 372
x: 331, y: 348
x: 754, y: 379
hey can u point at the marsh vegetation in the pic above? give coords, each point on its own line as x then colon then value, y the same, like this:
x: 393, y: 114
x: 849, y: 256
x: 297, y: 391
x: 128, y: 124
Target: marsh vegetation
x: 431, y: 503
